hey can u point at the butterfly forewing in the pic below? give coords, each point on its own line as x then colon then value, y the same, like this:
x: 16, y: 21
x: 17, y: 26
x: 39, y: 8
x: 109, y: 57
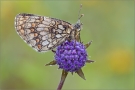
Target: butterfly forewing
x: 40, y: 32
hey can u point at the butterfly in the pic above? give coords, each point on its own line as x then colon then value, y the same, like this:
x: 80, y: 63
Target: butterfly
x: 45, y: 33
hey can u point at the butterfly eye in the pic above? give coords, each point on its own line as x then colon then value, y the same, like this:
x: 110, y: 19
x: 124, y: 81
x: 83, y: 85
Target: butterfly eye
x: 78, y: 26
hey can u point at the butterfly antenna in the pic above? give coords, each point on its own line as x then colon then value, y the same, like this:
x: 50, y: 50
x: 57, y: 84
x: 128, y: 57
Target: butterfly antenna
x: 79, y: 16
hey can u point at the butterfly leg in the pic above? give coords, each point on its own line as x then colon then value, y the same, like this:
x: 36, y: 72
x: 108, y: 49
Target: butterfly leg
x: 68, y: 38
x: 77, y: 37
x: 53, y: 51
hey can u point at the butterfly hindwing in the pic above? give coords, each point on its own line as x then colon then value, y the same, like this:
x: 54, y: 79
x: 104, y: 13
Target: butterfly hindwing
x: 40, y: 32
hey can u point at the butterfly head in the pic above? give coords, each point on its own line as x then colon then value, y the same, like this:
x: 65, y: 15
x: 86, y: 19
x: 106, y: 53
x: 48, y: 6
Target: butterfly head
x: 78, y: 26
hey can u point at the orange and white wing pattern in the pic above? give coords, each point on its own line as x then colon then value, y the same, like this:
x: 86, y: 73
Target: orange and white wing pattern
x: 40, y: 32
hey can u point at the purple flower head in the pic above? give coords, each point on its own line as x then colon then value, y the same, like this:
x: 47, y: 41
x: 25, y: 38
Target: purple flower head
x: 71, y: 56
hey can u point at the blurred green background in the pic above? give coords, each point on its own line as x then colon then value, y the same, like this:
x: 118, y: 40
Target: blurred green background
x: 110, y: 24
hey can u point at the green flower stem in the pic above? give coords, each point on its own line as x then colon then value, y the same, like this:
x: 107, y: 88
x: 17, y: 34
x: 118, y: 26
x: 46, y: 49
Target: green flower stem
x: 63, y: 77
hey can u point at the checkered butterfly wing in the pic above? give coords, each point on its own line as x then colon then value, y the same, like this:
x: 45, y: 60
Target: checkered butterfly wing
x: 40, y: 32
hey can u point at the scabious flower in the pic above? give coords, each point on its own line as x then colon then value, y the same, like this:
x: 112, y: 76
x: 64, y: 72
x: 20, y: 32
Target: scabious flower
x: 70, y: 56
